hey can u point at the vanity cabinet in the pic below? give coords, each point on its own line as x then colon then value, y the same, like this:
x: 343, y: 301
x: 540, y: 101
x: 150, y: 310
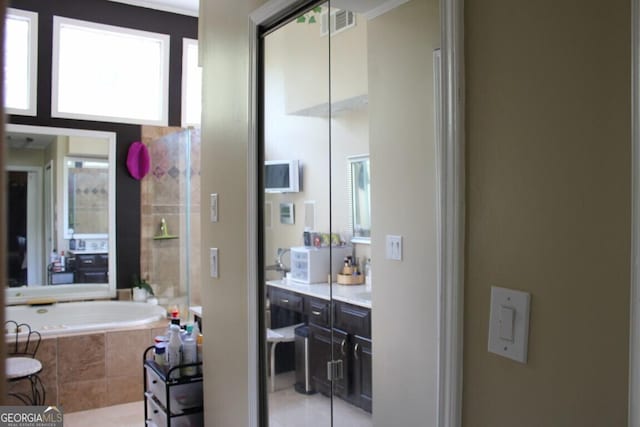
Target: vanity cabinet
x: 362, y: 369
x: 91, y: 267
x: 287, y: 299
x: 351, y: 344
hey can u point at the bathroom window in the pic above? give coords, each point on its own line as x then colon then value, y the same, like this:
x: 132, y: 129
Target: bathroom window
x: 20, y: 62
x: 191, y: 84
x: 107, y: 73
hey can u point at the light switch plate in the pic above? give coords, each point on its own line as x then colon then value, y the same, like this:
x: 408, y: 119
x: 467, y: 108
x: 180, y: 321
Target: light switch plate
x: 214, y: 207
x: 502, y: 302
x: 213, y: 262
x: 394, y: 247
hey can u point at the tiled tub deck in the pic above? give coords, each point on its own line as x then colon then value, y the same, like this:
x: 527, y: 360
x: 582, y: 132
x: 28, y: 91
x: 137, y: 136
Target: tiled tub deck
x: 95, y: 369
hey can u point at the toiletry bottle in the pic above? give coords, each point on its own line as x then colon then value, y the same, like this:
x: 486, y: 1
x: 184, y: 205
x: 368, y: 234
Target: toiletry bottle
x: 174, y: 350
x: 367, y: 272
x: 199, y: 351
x: 159, y: 353
x: 189, y: 353
x: 198, y: 337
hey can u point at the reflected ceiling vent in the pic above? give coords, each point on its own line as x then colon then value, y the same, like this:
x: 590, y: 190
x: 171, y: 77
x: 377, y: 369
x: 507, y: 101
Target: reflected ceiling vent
x: 339, y: 20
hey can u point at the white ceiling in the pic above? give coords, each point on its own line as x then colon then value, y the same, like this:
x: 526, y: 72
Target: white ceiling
x: 183, y: 7
x: 369, y: 8
x: 28, y: 140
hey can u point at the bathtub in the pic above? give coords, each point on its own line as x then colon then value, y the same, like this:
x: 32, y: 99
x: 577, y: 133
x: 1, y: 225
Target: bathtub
x: 71, y: 317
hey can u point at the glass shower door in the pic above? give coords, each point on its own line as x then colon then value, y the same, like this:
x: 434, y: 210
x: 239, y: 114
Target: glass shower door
x: 170, y: 197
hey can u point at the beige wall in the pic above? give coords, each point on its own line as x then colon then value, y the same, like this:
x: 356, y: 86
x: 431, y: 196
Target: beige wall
x: 306, y: 139
x: 308, y: 50
x: 401, y: 110
x: 224, y: 41
x: 548, y: 203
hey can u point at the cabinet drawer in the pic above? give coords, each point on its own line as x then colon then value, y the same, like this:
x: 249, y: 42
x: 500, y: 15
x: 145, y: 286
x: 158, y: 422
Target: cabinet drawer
x: 181, y: 396
x: 158, y: 417
x: 286, y: 299
x: 353, y: 319
x: 318, y: 311
x: 92, y: 260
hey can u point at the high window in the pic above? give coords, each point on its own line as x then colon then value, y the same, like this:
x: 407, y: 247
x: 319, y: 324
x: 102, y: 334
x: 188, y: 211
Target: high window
x: 108, y: 73
x: 20, y: 62
x: 191, y: 84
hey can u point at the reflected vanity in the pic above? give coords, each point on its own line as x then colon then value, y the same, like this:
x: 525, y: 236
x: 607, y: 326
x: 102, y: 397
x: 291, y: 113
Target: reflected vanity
x: 69, y: 205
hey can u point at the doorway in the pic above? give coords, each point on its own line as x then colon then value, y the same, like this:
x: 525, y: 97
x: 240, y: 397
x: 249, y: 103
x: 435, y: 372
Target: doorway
x: 388, y: 115
x: 25, y: 265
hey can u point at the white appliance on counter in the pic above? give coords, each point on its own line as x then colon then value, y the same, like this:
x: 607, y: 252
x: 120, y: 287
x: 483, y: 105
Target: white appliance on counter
x: 311, y: 265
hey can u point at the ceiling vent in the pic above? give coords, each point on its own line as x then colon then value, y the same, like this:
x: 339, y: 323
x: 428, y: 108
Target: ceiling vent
x: 339, y: 20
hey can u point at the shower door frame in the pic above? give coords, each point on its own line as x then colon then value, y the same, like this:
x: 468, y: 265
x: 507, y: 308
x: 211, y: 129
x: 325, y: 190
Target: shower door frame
x: 450, y: 211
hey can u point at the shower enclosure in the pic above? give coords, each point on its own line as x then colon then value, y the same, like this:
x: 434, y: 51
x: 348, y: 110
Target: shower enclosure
x: 170, y: 216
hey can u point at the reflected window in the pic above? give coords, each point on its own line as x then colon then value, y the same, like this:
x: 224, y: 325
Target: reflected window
x: 20, y: 62
x: 191, y: 84
x: 108, y: 73
x: 360, y: 198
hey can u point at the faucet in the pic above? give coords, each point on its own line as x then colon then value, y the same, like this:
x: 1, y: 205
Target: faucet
x: 279, y: 265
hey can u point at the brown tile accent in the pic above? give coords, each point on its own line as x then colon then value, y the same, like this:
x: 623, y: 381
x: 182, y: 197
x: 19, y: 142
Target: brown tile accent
x: 125, y: 389
x: 81, y: 358
x: 82, y: 395
x: 124, y: 348
x: 48, y: 356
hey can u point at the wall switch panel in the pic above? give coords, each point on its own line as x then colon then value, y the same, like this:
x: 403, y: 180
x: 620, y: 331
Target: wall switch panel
x: 214, y: 207
x: 509, y: 323
x: 394, y: 248
x: 213, y: 262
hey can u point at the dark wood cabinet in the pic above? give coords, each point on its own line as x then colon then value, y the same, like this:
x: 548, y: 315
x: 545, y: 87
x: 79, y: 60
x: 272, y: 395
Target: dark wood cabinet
x: 91, y: 268
x: 362, y: 372
x: 352, y: 318
x: 319, y: 354
x: 318, y: 311
x: 287, y: 299
x: 349, y: 341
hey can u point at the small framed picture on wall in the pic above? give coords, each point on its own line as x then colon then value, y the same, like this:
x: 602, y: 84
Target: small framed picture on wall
x: 287, y: 214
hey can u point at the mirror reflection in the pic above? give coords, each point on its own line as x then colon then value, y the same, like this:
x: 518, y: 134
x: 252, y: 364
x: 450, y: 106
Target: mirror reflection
x: 61, y: 213
x: 87, y: 198
x: 360, y: 198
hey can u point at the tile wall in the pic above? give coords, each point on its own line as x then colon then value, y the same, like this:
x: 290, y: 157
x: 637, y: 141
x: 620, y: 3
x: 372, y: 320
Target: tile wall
x: 94, y: 370
x: 164, y: 195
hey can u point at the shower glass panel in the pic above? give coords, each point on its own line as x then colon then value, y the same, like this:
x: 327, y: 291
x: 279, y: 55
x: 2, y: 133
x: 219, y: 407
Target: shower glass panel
x: 170, y: 197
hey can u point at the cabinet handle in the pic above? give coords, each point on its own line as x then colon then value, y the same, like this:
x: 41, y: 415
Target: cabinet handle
x: 342, y: 344
x: 355, y: 351
x: 284, y: 301
x: 315, y: 313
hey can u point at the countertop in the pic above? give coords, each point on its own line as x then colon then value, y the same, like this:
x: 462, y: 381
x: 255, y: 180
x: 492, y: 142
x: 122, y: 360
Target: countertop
x: 359, y: 295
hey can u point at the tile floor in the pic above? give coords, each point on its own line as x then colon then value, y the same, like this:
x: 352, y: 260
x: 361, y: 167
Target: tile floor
x: 125, y: 415
x: 287, y: 408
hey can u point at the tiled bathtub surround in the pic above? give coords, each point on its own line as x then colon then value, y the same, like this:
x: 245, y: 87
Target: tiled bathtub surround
x: 97, y: 369
x: 164, y: 195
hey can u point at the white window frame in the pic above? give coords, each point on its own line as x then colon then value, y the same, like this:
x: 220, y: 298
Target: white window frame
x: 32, y: 18
x: 163, y: 120
x: 186, y: 42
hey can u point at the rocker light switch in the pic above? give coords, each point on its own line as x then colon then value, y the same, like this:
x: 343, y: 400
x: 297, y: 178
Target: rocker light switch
x: 509, y: 323
x: 506, y: 323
